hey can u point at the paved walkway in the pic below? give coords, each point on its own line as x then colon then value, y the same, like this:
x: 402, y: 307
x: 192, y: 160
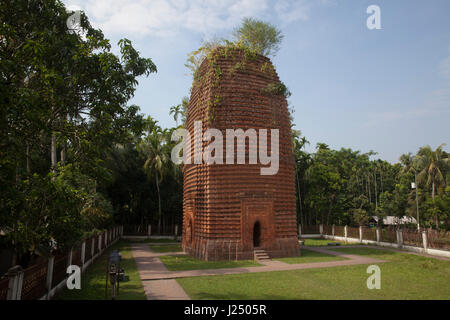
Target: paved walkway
x: 148, y: 262
x: 160, y: 283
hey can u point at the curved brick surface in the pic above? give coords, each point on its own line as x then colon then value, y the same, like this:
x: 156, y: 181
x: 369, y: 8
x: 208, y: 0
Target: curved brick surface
x: 221, y: 203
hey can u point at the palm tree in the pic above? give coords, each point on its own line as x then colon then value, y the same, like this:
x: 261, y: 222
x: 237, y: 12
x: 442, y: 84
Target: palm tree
x: 300, y: 158
x: 433, y: 164
x: 176, y: 111
x: 410, y: 164
x: 154, y: 149
x: 407, y: 161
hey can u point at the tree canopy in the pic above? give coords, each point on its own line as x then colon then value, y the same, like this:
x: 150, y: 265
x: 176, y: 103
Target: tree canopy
x: 63, y: 109
x: 261, y: 37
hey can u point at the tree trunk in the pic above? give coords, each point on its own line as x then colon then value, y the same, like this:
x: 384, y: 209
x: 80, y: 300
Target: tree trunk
x: 432, y: 192
x: 159, y: 203
x: 376, y: 197
x: 381, y: 181
x: 300, y: 200
x: 53, y: 153
x: 432, y: 196
x: 329, y: 209
x: 28, y: 159
x: 63, y: 154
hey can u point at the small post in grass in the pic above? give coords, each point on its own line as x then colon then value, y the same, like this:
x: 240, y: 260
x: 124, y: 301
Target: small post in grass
x: 425, y: 241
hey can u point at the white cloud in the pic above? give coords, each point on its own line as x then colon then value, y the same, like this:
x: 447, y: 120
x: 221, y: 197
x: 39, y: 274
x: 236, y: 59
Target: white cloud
x: 290, y: 11
x: 168, y: 17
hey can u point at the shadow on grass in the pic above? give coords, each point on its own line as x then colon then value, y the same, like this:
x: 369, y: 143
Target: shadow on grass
x: 93, y: 280
x: 234, y: 296
x: 373, y: 252
x: 166, y: 248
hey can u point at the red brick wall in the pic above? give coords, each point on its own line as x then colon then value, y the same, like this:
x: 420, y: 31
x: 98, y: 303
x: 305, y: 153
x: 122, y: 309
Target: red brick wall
x: 221, y: 203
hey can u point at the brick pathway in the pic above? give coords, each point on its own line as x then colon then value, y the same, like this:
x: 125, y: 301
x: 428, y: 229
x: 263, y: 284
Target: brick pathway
x: 148, y: 263
x: 159, y: 283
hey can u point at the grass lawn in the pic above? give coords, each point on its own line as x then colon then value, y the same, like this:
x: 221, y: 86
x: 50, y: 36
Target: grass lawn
x: 324, y: 242
x: 93, y: 279
x: 136, y: 240
x: 403, y: 276
x: 310, y: 256
x: 160, y: 241
x: 179, y: 263
x: 166, y: 248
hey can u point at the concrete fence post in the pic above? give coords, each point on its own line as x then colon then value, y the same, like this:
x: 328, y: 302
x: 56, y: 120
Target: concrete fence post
x: 83, y: 252
x: 69, y: 257
x: 321, y: 229
x: 345, y: 233
x: 425, y: 241
x: 360, y: 233
x: 378, y: 235
x: 332, y: 230
x: 106, y: 239
x: 99, y: 244
x: 176, y: 231
x: 149, y: 230
x: 49, y: 280
x: 399, y: 238
x: 92, y: 248
x: 15, y: 275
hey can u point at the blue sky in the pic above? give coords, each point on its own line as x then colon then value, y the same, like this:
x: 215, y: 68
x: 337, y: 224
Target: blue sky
x: 385, y: 90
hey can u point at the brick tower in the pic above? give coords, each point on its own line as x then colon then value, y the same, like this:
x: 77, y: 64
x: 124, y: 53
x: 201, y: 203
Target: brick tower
x: 231, y: 209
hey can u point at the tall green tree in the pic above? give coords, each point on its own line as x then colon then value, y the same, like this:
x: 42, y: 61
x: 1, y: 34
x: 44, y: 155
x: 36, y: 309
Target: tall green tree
x: 176, y: 111
x: 434, y: 164
x: 64, y: 105
x: 261, y: 37
x: 156, y: 154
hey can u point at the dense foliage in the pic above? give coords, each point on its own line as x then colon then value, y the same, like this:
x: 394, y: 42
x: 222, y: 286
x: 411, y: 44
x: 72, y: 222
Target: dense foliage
x: 64, y: 109
x: 347, y: 187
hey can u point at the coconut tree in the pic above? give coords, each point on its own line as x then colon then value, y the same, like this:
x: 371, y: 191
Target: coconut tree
x: 153, y: 148
x: 407, y: 161
x: 176, y: 111
x: 410, y: 165
x: 432, y: 164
